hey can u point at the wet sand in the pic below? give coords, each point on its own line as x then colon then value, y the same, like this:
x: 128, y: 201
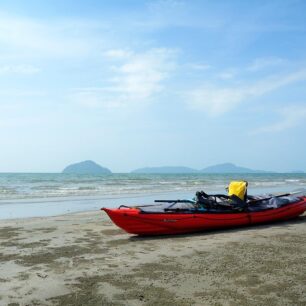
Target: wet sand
x: 83, y: 259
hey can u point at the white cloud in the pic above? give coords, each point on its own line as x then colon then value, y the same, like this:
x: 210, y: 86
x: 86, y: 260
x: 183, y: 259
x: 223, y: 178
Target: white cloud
x: 117, y: 53
x: 37, y: 38
x: 177, y: 13
x: 17, y: 93
x: 218, y: 100
x: 18, y: 69
x: 266, y: 62
x: 141, y: 76
x: 17, y: 122
x: 226, y: 75
x: 136, y: 78
x: 289, y: 117
x: 166, y: 6
x: 96, y: 98
x: 198, y: 66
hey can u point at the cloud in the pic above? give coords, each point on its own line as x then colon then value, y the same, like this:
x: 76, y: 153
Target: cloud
x: 38, y: 38
x: 25, y: 122
x: 96, y: 98
x: 289, y: 117
x: 198, y: 66
x: 177, y: 13
x: 141, y: 75
x: 266, y: 62
x: 216, y: 100
x: 136, y: 78
x: 19, y: 69
x: 166, y: 7
x: 17, y: 93
x: 226, y: 75
x: 117, y: 54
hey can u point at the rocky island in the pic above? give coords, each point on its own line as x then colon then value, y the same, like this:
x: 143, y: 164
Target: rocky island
x: 219, y: 168
x: 86, y: 167
x: 165, y: 170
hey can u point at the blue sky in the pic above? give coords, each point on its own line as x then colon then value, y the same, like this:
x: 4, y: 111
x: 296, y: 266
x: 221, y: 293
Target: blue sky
x: 151, y: 83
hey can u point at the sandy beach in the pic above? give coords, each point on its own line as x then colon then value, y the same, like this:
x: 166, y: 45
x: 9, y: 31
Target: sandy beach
x: 83, y: 259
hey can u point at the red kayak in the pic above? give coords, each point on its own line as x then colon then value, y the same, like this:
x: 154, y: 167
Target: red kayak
x: 136, y: 221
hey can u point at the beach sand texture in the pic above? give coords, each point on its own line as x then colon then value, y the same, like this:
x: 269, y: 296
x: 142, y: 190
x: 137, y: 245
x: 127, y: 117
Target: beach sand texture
x: 83, y: 259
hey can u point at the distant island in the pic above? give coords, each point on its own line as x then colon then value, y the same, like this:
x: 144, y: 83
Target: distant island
x: 86, y: 167
x: 90, y: 167
x: 219, y: 168
x: 162, y: 170
x: 230, y: 168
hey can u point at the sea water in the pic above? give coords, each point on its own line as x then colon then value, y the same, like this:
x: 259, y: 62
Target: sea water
x: 37, y: 194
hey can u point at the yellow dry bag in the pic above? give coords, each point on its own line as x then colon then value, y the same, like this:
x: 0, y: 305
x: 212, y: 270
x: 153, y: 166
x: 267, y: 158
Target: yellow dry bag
x: 238, y: 188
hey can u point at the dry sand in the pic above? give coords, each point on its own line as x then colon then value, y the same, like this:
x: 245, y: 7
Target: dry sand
x: 83, y: 259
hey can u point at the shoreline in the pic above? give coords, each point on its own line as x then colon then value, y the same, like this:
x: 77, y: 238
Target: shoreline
x: 56, y: 206
x: 48, y: 208
x: 84, y: 259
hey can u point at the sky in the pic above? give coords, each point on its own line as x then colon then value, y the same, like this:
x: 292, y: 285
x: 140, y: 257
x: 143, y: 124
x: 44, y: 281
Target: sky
x: 135, y: 83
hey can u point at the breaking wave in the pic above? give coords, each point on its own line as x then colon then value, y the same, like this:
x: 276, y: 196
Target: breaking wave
x: 25, y: 186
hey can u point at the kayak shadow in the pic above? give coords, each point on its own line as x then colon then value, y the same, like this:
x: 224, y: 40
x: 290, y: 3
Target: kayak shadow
x: 282, y: 224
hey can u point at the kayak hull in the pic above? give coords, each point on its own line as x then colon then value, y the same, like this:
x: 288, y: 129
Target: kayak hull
x: 134, y: 221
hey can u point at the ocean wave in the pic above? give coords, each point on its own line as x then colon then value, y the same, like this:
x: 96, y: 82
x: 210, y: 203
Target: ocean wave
x: 268, y: 184
x: 7, y: 190
x: 292, y: 180
x: 56, y: 185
